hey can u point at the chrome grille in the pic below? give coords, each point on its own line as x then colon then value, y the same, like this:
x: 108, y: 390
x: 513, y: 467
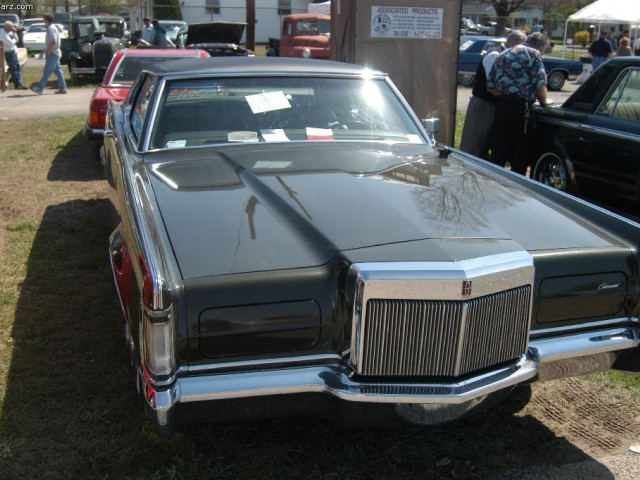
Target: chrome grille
x: 444, y: 338
x: 102, y: 53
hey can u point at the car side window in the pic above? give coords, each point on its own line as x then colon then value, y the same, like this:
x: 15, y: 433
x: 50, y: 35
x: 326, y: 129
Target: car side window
x: 139, y: 110
x: 624, y: 101
x: 628, y: 106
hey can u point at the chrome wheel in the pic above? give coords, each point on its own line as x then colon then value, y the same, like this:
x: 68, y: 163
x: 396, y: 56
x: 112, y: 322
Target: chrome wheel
x: 551, y: 170
x: 466, y: 79
x: 555, y: 80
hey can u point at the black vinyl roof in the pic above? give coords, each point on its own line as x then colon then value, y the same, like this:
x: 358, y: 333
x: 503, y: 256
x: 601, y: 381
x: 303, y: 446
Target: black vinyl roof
x: 259, y: 65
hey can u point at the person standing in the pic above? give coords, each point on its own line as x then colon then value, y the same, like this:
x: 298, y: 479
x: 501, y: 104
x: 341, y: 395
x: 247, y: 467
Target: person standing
x: 479, y: 117
x: 612, y: 40
x: 160, y: 37
x: 52, y: 59
x: 147, y: 33
x: 600, y: 50
x: 9, y: 39
x: 624, y: 48
x: 517, y: 79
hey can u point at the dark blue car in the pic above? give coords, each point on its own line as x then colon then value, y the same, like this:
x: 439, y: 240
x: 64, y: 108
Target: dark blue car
x: 472, y: 50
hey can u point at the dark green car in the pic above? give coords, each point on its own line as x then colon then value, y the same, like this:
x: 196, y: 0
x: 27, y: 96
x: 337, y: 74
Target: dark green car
x: 292, y: 239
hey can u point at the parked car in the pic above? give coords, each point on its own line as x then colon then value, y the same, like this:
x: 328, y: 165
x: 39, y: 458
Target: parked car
x: 219, y: 39
x: 489, y: 29
x: 13, y: 18
x: 558, y: 69
x: 468, y: 27
x: 290, y: 234
x: 92, y: 42
x: 124, y: 68
x: 27, y: 22
x: 34, y: 37
x: 472, y: 49
x: 590, y: 145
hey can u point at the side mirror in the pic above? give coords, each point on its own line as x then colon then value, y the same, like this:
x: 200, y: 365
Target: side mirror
x: 431, y: 125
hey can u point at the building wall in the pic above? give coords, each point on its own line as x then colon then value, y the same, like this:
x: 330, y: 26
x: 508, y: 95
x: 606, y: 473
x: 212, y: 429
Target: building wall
x: 268, y: 20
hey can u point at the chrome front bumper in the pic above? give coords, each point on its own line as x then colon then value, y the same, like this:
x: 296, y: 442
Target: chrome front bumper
x: 578, y: 353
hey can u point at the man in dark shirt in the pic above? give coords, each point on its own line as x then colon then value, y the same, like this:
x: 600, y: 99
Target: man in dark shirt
x: 601, y: 50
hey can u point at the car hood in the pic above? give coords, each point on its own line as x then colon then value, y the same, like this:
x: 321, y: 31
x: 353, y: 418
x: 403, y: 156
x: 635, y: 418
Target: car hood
x: 224, y: 216
x: 215, y: 32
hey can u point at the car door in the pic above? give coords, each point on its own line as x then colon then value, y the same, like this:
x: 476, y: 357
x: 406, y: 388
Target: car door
x: 608, y: 157
x: 286, y: 37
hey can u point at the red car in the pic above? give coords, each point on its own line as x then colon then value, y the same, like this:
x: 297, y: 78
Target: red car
x: 124, y: 68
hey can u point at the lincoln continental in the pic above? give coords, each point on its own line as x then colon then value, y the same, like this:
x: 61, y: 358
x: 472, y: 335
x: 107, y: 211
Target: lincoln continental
x: 291, y: 235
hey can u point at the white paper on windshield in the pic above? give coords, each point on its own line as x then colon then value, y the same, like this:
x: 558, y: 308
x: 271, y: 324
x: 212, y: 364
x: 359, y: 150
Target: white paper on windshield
x: 242, y: 136
x: 267, y: 102
x: 414, y: 138
x: 274, y: 135
x: 176, y: 144
x: 271, y: 164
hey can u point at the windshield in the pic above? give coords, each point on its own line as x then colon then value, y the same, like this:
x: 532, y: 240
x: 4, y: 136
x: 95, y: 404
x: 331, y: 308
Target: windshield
x: 313, y: 27
x: 131, y: 66
x: 37, y: 27
x: 280, y: 109
x: 111, y: 28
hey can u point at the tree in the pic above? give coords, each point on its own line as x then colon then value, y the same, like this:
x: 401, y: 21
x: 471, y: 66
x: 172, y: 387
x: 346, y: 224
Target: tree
x: 167, y: 10
x: 504, y: 8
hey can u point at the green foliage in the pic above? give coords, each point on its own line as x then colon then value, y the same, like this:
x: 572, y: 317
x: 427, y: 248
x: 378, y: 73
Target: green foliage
x: 167, y: 10
x: 581, y: 38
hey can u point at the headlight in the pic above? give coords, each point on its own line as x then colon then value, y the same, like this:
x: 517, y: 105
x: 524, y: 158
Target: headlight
x: 306, y: 53
x: 86, y: 48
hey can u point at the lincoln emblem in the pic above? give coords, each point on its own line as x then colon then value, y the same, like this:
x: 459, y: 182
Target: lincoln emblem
x: 466, y: 288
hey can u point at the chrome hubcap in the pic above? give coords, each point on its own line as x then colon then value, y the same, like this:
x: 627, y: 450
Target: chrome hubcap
x: 553, y: 173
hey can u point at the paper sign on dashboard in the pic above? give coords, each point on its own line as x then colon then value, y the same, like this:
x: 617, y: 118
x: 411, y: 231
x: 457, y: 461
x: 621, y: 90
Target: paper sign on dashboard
x: 267, y: 102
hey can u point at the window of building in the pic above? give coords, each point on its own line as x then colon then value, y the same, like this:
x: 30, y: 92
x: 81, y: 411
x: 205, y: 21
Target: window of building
x: 284, y: 7
x: 212, y: 6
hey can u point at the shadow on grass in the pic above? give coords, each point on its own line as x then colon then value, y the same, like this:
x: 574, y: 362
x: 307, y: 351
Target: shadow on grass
x: 69, y: 410
x: 75, y: 162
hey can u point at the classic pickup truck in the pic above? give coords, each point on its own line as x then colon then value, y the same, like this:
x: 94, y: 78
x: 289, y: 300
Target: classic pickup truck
x: 290, y: 234
x: 303, y: 35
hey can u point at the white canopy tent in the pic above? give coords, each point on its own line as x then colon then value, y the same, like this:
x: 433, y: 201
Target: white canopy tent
x: 607, y: 12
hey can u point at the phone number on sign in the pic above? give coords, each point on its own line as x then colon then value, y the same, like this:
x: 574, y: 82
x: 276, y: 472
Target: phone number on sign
x: 9, y: 7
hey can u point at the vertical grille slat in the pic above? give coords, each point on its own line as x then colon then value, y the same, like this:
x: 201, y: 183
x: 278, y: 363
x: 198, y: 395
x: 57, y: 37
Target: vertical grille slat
x: 443, y: 337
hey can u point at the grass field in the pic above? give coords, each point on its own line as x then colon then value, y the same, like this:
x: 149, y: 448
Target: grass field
x: 66, y: 401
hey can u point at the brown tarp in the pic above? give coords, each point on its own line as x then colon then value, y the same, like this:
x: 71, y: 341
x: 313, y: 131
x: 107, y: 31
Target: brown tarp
x: 423, y: 69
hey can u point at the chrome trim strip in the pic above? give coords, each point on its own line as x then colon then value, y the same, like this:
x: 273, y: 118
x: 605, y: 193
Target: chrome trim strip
x: 576, y: 125
x: 259, y: 364
x: 187, y: 75
x: 580, y: 326
x: 581, y: 344
x: 410, y: 278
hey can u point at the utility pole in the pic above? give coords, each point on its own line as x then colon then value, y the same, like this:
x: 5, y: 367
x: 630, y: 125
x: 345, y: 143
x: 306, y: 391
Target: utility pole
x: 251, y: 24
